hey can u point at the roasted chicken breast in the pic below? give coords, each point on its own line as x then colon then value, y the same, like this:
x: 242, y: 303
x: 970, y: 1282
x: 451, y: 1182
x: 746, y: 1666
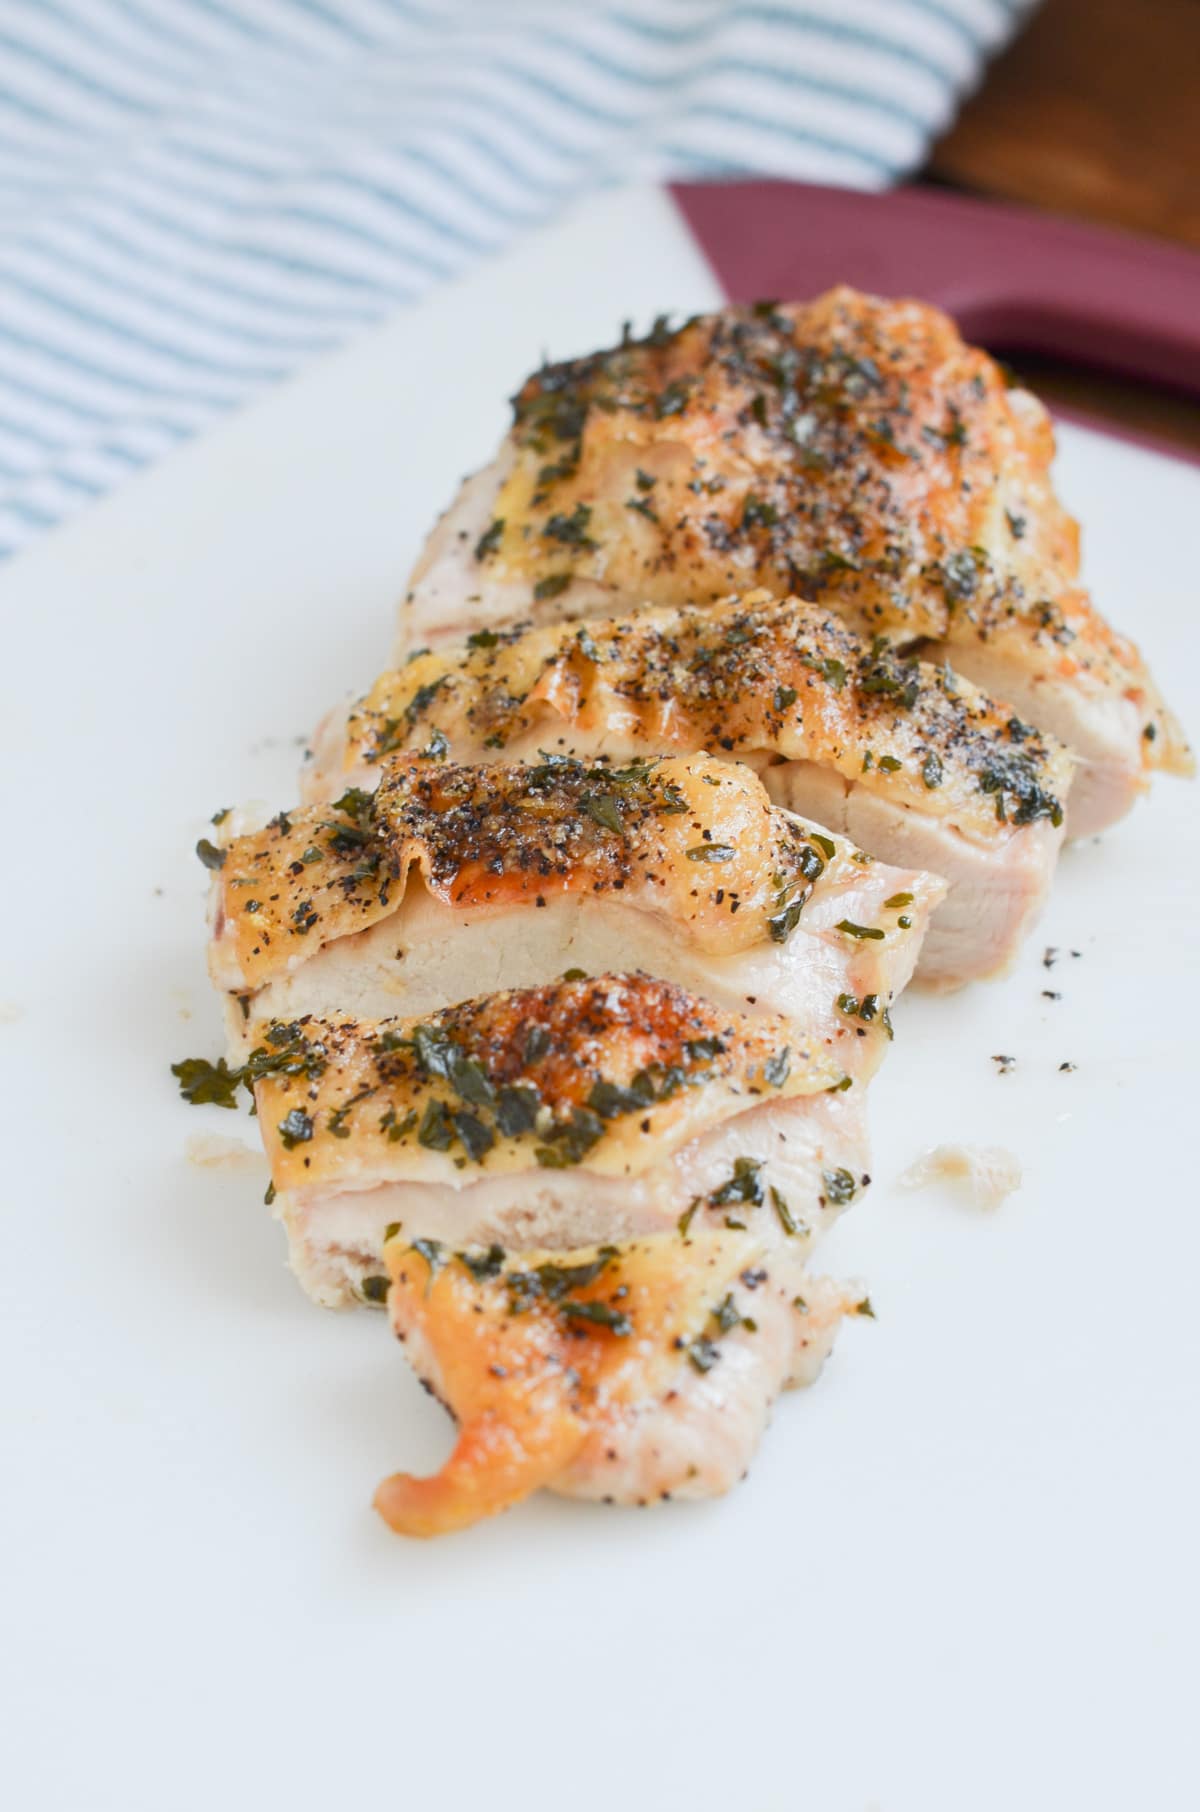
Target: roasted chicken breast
x: 909, y: 760
x: 851, y: 450
x: 574, y: 1114
x: 632, y: 1372
x: 452, y: 881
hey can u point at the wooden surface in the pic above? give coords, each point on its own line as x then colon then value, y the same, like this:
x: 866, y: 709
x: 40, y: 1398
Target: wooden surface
x: 1094, y: 112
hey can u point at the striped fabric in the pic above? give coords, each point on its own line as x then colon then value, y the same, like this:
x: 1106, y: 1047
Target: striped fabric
x: 197, y: 196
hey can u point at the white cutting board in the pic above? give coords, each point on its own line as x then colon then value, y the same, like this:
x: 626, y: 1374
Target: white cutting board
x: 962, y: 1575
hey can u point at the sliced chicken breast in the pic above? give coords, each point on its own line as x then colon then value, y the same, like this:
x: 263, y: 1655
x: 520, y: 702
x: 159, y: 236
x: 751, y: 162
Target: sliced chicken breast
x: 628, y: 1372
x: 909, y: 760
x: 578, y: 1113
x: 851, y: 450
x: 452, y: 881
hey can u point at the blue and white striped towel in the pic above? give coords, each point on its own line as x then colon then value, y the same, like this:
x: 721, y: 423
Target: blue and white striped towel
x: 197, y: 196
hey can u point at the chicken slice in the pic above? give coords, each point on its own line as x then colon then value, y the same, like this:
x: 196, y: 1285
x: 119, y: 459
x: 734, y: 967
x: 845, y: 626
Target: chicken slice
x: 453, y: 881
x: 909, y: 760
x: 849, y: 449
x: 563, y: 1115
x: 632, y: 1372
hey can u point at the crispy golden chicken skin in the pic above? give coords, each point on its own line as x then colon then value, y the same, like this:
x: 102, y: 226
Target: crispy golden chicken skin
x: 529, y: 1078
x: 759, y: 678
x: 574, y: 1113
x: 910, y: 760
x: 631, y: 1373
x: 849, y: 450
x: 454, y: 880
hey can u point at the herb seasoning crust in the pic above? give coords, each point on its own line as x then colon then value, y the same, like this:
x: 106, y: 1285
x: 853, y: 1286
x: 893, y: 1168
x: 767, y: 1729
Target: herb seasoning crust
x: 682, y: 862
x: 849, y: 450
x: 630, y: 1373
x: 757, y: 678
x: 619, y: 1071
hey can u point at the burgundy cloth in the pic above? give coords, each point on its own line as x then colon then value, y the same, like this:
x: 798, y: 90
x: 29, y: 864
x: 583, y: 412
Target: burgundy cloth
x: 1014, y: 281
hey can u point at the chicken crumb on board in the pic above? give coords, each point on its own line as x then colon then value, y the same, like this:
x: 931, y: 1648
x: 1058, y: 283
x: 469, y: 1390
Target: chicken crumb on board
x: 986, y: 1174
x: 210, y: 1151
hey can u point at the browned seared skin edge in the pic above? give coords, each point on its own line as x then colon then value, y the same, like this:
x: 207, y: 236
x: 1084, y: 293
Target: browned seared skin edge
x: 548, y: 1360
